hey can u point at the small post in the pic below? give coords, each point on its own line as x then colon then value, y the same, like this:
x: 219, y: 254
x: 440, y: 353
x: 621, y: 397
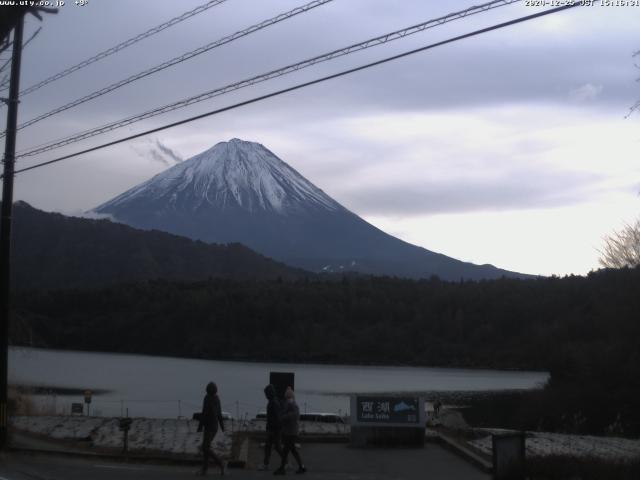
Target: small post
x: 509, y: 456
x: 125, y: 425
x: 87, y: 399
x: 237, y: 410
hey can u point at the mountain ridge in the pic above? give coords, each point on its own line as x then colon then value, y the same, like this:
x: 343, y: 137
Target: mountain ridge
x: 239, y: 191
x: 54, y: 251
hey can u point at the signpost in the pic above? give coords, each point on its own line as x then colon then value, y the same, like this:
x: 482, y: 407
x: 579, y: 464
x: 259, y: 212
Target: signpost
x: 282, y: 380
x: 387, y: 420
x: 87, y: 399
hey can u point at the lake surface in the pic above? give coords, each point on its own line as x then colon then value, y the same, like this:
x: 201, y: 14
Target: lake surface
x: 165, y: 387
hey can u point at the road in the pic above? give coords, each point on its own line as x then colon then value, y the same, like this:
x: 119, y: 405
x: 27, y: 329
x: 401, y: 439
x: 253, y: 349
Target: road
x: 324, y: 461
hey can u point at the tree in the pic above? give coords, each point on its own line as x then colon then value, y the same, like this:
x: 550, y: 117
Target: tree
x: 636, y: 106
x: 622, y: 248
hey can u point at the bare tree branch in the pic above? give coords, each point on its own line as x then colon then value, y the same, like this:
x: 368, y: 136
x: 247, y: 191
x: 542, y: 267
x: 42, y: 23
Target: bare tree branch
x: 635, y: 106
x: 34, y: 35
x: 622, y: 249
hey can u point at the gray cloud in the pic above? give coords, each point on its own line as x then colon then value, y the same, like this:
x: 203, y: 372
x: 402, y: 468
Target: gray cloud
x: 512, y: 65
x: 504, y: 97
x: 516, y: 190
x: 89, y: 214
x: 530, y: 64
x: 175, y: 157
x: 157, y: 151
x: 586, y: 92
x: 157, y: 156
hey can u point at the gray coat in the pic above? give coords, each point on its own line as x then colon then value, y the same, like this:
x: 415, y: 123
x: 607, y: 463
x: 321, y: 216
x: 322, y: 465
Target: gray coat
x: 289, y: 418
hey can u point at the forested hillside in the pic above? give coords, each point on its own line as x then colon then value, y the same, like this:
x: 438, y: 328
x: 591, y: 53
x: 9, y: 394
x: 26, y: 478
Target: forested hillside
x: 500, y: 323
x: 584, y: 330
x: 51, y: 250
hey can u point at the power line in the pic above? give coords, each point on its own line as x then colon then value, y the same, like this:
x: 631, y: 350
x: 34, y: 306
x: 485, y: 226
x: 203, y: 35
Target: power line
x: 305, y: 84
x: 5, y: 80
x: 176, y: 60
x: 123, y: 45
x: 6, y: 44
x: 372, y: 42
x: 33, y: 35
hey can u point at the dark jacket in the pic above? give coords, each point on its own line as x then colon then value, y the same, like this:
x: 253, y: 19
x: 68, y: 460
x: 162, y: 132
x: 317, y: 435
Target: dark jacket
x: 273, y: 409
x: 289, y: 418
x: 211, y: 414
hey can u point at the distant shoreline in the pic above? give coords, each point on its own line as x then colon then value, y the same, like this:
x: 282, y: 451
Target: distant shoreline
x: 285, y: 362
x: 56, y: 390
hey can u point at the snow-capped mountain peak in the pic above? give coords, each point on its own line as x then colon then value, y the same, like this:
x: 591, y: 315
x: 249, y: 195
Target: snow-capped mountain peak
x: 233, y: 174
x: 239, y: 191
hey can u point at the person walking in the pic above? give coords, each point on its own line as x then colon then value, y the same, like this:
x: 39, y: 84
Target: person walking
x: 289, y: 422
x: 436, y: 408
x: 210, y: 417
x: 274, y: 433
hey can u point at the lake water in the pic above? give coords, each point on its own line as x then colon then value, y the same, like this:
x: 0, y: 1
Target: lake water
x: 164, y: 387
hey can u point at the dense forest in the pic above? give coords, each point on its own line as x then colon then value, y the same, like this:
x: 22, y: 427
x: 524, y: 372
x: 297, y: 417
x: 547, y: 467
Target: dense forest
x: 584, y: 330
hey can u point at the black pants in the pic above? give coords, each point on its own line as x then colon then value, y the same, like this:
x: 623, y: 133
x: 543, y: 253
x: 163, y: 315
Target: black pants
x: 273, y: 440
x: 289, y: 445
x: 207, y: 451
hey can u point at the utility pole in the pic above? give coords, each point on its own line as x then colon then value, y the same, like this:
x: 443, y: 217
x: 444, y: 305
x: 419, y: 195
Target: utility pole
x: 5, y: 223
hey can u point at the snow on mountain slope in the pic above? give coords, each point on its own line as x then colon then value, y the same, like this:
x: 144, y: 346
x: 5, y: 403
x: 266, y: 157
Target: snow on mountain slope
x: 235, y: 173
x: 239, y: 191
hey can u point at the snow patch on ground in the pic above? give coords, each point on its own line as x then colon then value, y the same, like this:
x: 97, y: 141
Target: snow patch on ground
x: 151, y: 435
x: 306, y: 428
x: 174, y: 436
x: 447, y: 418
x: 59, y: 428
x: 543, y: 444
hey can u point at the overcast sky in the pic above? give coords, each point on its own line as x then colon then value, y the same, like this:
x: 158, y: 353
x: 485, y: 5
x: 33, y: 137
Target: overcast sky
x: 511, y: 148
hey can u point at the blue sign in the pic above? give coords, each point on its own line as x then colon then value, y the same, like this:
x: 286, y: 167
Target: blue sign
x: 403, y: 410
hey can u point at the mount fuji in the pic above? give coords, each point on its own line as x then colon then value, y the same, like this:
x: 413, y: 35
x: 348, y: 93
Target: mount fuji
x: 239, y: 191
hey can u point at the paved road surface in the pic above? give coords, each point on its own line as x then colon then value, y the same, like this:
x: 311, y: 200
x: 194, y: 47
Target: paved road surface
x: 324, y: 461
